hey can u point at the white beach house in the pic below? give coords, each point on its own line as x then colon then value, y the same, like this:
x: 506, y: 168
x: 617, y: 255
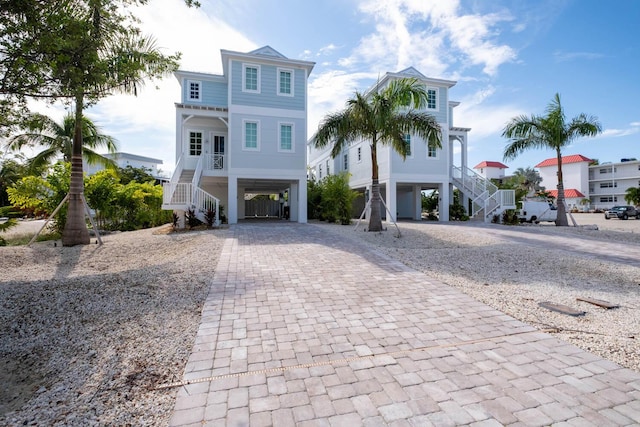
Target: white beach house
x: 424, y: 169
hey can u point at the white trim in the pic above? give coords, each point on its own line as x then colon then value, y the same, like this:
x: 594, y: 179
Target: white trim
x: 188, y: 97
x: 293, y: 138
x: 244, y: 78
x: 291, y: 81
x: 244, y: 135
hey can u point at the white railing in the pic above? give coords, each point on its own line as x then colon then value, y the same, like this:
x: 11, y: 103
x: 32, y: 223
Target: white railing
x: 170, y: 187
x: 214, y: 162
x: 203, y: 203
x: 197, y: 174
x: 485, y: 196
x: 176, y: 194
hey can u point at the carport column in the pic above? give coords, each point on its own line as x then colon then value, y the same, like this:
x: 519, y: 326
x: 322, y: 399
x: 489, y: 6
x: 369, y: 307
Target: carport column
x: 417, y: 203
x: 391, y: 201
x: 444, y: 195
x: 232, y: 212
x: 293, y: 202
x: 302, y: 200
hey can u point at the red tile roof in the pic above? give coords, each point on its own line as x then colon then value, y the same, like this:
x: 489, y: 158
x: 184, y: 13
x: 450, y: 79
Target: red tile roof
x: 489, y: 164
x: 575, y: 158
x: 569, y: 193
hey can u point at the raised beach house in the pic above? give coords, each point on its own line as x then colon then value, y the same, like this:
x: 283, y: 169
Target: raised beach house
x: 240, y: 134
x: 424, y: 169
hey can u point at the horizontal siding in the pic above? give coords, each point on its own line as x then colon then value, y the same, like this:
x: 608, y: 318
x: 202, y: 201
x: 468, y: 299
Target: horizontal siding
x: 268, y: 158
x: 268, y: 87
x: 212, y: 93
x: 441, y: 113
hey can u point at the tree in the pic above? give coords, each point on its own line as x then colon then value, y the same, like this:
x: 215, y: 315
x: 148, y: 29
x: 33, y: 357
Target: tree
x: 528, y: 179
x: 632, y: 196
x: 550, y: 131
x: 80, y: 51
x: 130, y: 173
x: 384, y: 117
x: 57, y: 138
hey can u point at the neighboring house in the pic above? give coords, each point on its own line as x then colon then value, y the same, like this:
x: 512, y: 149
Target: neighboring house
x: 240, y: 134
x: 424, y: 169
x: 575, y: 173
x: 491, y: 170
x: 608, y: 182
x: 127, y: 159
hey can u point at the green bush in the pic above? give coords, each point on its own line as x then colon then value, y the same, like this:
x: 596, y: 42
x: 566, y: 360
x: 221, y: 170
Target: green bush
x: 337, y: 198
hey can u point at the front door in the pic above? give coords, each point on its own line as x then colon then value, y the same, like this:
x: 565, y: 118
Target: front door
x: 218, y: 151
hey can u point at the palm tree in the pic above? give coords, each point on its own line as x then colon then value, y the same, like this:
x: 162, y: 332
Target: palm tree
x: 632, y: 196
x: 528, y: 179
x: 384, y: 116
x: 550, y: 131
x: 57, y: 138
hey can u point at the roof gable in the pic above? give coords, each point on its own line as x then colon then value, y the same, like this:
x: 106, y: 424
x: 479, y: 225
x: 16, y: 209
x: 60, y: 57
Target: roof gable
x: 553, y: 161
x: 411, y: 72
x: 268, y: 51
x: 490, y: 164
x: 569, y: 193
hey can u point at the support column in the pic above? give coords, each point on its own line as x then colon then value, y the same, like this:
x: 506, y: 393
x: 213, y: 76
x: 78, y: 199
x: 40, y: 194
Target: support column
x: 302, y: 201
x: 390, y: 200
x: 232, y: 191
x: 444, y: 199
x: 294, y: 201
x: 417, y: 202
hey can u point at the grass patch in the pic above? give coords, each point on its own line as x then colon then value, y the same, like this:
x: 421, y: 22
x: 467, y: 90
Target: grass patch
x: 24, y: 238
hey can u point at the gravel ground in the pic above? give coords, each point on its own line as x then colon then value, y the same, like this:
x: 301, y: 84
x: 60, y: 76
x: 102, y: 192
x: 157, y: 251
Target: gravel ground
x: 86, y: 333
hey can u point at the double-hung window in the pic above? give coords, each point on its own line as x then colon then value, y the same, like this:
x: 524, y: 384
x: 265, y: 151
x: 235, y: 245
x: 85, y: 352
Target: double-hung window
x: 193, y: 90
x: 195, y: 143
x: 359, y: 154
x: 407, y: 143
x: 251, y: 78
x: 251, y: 139
x: 432, y: 99
x: 285, y: 82
x: 285, y: 137
x: 345, y: 162
x: 432, y: 152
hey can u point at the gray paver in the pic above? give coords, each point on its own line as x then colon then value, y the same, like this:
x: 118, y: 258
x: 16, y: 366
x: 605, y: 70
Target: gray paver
x: 301, y: 327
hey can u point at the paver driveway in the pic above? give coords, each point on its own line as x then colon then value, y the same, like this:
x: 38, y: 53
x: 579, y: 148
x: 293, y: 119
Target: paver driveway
x: 303, y: 328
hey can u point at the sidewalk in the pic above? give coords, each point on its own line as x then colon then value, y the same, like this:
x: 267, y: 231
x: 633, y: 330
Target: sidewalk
x: 302, y: 328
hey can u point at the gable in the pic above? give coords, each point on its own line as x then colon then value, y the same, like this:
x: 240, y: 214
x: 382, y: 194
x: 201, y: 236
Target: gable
x: 411, y: 72
x: 268, y: 51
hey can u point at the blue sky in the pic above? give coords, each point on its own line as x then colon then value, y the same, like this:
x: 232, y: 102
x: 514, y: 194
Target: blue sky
x: 509, y: 57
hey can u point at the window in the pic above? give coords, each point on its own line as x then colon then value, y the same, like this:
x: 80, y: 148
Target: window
x: 286, y: 137
x: 195, y: 143
x: 432, y: 152
x: 608, y: 199
x: 284, y: 82
x: 359, y: 154
x: 251, y: 78
x: 193, y: 88
x: 320, y: 171
x: 608, y: 170
x: 251, y: 141
x: 608, y: 184
x: 407, y: 142
x: 345, y: 161
x: 328, y: 170
x: 432, y: 99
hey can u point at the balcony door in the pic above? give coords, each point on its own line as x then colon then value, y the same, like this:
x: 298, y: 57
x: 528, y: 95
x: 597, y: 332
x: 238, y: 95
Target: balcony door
x: 218, y: 151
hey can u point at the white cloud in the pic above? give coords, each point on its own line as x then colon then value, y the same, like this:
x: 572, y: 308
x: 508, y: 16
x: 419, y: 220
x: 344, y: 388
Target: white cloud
x: 570, y: 56
x: 484, y: 118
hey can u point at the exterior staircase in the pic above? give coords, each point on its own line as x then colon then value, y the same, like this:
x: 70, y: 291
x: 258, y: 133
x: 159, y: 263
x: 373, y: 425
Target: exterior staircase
x: 183, y: 193
x: 487, y: 200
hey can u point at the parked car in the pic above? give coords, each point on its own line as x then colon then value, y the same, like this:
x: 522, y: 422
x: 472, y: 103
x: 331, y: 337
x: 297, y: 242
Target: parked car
x: 622, y: 212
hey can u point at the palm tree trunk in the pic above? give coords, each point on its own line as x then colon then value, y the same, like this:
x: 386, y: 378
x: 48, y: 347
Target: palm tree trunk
x: 561, y: 219
x: 75, y: 230
x: 375, y: 218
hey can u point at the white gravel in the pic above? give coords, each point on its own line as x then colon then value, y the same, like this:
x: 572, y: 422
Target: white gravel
x: 86, y: 333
